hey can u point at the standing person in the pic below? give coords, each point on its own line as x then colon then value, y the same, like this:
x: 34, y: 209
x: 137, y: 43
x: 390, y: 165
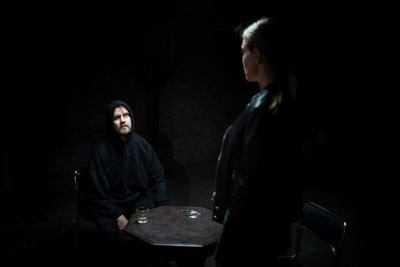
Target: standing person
x: 124, y: 173
x: 257, y: 183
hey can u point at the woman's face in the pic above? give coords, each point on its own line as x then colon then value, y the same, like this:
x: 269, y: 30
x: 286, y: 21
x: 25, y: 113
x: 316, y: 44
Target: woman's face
x: 250, y: 63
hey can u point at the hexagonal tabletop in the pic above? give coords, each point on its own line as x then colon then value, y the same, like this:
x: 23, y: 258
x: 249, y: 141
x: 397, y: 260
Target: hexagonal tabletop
x: 170, y: 226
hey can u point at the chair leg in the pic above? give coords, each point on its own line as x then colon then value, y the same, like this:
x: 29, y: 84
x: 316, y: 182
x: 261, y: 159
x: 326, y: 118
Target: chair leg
x: 297, y: 245
x: 77, y: 241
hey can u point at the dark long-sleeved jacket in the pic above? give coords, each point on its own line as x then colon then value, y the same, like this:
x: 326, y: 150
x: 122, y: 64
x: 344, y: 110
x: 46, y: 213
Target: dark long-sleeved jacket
x: 257, y: 174
x: 122, y: 172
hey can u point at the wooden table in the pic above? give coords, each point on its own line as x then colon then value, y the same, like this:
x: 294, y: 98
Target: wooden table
x: 170, y: 227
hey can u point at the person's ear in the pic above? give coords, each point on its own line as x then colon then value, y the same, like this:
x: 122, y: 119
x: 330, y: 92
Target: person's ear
x: 257, y: 55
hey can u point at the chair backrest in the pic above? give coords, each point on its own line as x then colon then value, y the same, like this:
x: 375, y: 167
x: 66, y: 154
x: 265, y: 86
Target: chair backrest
x: 325, y: 225
x: 80, y: 180
x: 76, y: 179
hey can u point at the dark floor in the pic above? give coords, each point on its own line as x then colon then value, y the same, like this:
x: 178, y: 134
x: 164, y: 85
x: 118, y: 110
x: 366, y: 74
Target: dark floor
x: 48, y: 234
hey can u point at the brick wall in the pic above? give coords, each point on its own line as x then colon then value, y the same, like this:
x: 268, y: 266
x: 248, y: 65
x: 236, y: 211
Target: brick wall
x: 199, y: 101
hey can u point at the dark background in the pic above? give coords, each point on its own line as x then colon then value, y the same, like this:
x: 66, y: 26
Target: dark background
x: 178, y: 65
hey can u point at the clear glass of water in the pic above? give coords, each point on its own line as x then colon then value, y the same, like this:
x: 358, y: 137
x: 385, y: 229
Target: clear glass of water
x: 143, y: 214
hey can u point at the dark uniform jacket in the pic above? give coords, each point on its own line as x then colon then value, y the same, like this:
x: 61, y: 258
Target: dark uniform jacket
x: 257, y: 180
x: 120, y: 173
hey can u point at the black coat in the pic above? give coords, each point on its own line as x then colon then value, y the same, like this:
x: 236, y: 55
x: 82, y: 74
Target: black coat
x: 120, y: 173
x: 257, y: 180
